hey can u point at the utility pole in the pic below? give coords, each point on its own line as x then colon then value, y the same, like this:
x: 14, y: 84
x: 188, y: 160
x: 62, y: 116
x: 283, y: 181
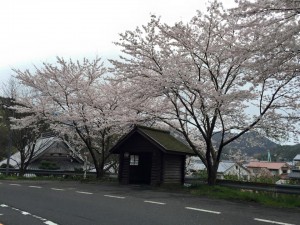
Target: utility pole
x: 8, y: 152
x: 9, y: 148
x: 269, y: 156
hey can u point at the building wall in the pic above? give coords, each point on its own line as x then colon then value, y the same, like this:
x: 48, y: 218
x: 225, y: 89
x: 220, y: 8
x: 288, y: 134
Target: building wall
x: 58, y: 154
x: 165, y: 168
x: 173, y: 168
x: 156, y: 170
x: 238, y: 171
x: 124, y: 169
x: 136, y: 145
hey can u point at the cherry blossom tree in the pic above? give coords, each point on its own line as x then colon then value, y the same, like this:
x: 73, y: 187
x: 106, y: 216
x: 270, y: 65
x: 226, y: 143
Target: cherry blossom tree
x: 22, y: 133
x: 25, y: 134
x: 203, y: 79
x: 4, y: 128
x: 270, y: 29
x: 77, y: 101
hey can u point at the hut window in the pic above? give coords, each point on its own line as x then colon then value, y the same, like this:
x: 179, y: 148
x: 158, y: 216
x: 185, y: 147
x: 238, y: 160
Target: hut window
x: 134, y: 160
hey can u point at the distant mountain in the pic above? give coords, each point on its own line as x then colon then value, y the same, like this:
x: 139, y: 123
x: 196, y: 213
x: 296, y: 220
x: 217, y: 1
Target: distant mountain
x: 250, y: 143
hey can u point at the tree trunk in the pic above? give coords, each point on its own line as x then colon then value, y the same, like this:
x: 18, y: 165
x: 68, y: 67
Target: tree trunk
x: 21, y: 172
x: 212, y: 165
x: 212, y: 177
x: 99, y: 171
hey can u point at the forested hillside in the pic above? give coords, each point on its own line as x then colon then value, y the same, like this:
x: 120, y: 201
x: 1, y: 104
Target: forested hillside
x: 283, y: 153
x: 250, y: 143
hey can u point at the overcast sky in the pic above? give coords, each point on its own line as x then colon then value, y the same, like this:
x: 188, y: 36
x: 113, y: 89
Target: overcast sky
x: 33, y: 31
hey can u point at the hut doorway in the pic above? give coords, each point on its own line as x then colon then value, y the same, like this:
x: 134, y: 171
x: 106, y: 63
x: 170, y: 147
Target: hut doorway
x: 140, y: 168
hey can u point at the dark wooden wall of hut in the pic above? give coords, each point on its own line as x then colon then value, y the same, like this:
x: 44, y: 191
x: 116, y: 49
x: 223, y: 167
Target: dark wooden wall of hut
x: 124, y: 169
x: 156, y: 171
x: 137, y: 144
x: 173, y: 171
x: 165, y: 168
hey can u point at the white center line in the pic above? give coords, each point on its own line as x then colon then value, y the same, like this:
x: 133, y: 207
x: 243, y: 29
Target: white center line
x: 35, y: 187
x: 50, y: 223
x: 273, y: 222
x: 158, y: 203
x: 38, y: 217
x: 57, y: 189
x: 83, y: 192
x: 15, y: 184
x: 25, y: 213
x: 113, y: 196
x: 203, y: 210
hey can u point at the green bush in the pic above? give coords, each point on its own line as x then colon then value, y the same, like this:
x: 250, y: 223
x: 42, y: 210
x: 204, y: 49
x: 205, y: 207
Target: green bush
x: 48, y: 165
x: 4, y: 166
x: 265, y: 179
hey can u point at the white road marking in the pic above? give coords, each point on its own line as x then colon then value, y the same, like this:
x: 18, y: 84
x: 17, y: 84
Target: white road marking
x: 25, y: 213
x: 35, y: 187
x: 1, y: 214
x: 271, y: 221
x: 4, y: 206
x: 15, y: 184
x: 113, y: 196
x: 38, y: 217
x: 203, y: 210
x: 50, y: 223
x: 158, y: 203
x: 57, y: 189
x: 83, y: 192
x: 15, y: 209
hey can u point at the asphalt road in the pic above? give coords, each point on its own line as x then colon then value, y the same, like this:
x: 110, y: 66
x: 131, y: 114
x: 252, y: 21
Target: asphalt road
x: 74, y: 203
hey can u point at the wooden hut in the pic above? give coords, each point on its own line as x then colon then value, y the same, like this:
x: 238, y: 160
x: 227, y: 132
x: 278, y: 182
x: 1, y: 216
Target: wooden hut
x: 151, y: 156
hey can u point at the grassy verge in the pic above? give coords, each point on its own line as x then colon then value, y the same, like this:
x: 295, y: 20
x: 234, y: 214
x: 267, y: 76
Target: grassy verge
x: 264, y: 198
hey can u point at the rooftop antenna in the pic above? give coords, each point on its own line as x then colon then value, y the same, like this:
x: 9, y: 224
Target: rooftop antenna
x: 269, y: 156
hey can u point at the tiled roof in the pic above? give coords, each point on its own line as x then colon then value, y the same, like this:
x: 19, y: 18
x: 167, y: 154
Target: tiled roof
x: 295, y: 174
x: 268, y: 165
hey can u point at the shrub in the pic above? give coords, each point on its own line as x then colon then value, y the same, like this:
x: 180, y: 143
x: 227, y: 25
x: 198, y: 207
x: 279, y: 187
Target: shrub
x: 48, y: 165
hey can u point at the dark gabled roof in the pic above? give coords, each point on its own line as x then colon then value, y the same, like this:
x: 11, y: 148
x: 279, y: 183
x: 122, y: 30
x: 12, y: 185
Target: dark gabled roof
x: 162, y: 138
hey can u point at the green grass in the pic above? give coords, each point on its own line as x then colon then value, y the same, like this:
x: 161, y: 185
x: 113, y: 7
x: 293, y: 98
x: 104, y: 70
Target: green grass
x: 264, y: 198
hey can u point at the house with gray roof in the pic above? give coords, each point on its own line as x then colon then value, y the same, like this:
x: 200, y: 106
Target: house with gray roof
x: 296, y: 161
x: 226, y: 168
x: 295, y: 174
x: 53, y: 152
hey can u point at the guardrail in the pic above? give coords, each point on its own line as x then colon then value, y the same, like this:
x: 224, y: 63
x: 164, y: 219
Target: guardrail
x: 47, y: 172
x: 275, y: 188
